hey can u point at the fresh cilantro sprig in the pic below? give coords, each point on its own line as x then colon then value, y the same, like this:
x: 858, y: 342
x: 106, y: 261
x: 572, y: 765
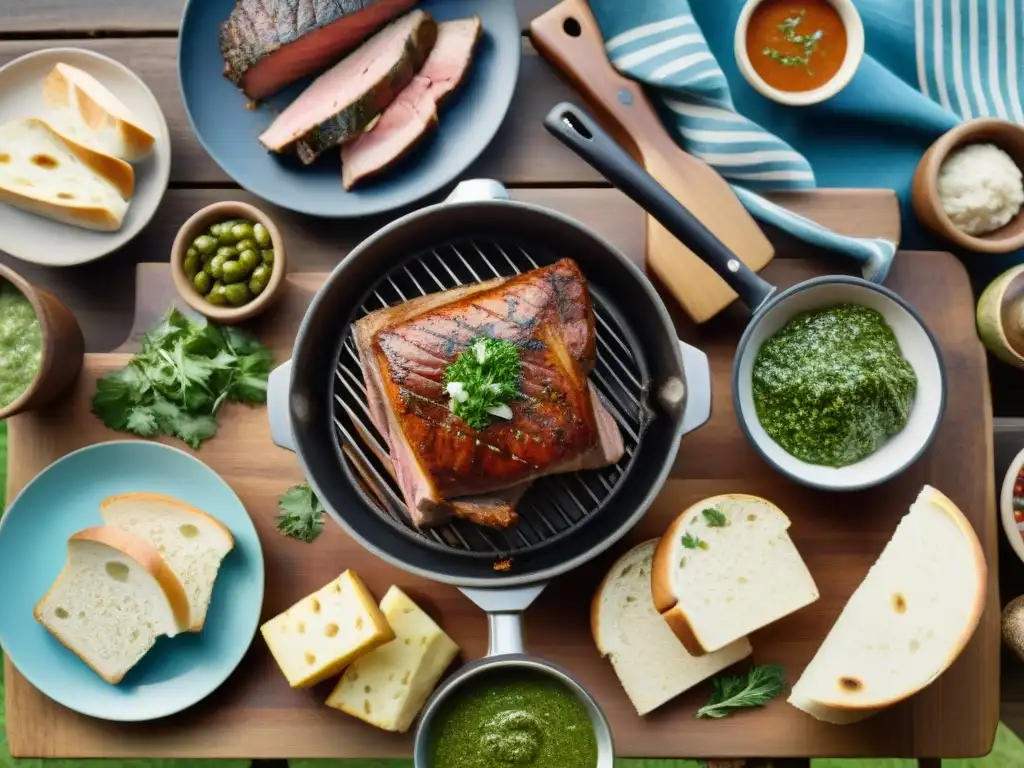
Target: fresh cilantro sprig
x: 693, y: 542
x: 302, y: 514
x: 185, y: 371
x: 482, y: 380
x: 715, y: 518
x: 754, y: 689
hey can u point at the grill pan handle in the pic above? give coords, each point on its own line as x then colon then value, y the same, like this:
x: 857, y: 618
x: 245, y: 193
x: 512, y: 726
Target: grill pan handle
x: 698, y: 388
x: 505, y: 615
x: 581, y: 133
x: 477, y: 189
x: 277, y: 406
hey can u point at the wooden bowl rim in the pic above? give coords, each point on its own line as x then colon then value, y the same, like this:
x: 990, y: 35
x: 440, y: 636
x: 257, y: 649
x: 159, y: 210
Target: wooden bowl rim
x: 200, y: 220
x: 31, y: 293
x: 1012, y: 278
x: 955, y: 138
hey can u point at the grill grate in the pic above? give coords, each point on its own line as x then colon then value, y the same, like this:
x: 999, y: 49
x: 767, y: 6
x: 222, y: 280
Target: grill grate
x: 554, y: 506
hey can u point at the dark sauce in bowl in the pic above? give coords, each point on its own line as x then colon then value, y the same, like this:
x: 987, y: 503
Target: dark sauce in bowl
x: 513, y: 717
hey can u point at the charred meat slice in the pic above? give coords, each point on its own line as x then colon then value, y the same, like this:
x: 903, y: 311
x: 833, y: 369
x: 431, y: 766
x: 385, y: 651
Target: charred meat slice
x: 414, y: 113
x: 340, y: 103
x: 556, y: 424
x: 268, y: 44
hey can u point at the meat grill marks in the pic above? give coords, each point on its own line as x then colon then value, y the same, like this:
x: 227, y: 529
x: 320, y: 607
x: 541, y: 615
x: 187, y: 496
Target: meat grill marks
x: 414, y: 113
x: 268, y: 44
x: 342, y: 102
x: 547, y: 312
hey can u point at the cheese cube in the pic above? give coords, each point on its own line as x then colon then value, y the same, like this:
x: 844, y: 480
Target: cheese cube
x: 389, y: 686
x: 323, y: 633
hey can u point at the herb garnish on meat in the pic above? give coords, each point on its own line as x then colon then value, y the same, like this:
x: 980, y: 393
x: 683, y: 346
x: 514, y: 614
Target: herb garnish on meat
x: 185, y: 371
x: 482, y: 380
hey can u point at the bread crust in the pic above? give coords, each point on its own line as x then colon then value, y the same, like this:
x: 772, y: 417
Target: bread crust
x: 116, y: 171
x: 843, y: 712
x: 595, y: 601
x: 146, y: 496
x: 665, y: 600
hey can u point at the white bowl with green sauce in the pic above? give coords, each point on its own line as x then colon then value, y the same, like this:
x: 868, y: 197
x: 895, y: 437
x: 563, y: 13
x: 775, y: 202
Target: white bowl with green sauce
x: 899, y: 406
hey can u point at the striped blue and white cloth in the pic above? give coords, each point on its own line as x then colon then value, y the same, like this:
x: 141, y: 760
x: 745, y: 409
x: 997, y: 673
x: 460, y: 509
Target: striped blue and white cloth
x: 929, y: 64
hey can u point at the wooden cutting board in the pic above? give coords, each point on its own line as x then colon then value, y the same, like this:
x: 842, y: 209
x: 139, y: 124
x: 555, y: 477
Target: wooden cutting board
x: 256, y: 715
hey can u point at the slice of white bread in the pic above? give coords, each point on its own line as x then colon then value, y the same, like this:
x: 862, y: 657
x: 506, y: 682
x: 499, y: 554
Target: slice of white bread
x: 112, y: 600
x: 43, y: 173
x: 906, y: 622
x: 85, y: 110
x: 725, y: 568
x: 192, y: 542
x: 651, y: 663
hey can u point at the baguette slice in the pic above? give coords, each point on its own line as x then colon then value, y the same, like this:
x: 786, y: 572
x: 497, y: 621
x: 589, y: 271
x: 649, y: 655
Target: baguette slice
x: 44, y: 173
x: 389, y: 686
x: 907, y: 621
x: 326, y: 631
x: 651, y: 663
x: 192, y: 542
x: 112, y: 600
x: 717, y: 583
x: 89, y: 113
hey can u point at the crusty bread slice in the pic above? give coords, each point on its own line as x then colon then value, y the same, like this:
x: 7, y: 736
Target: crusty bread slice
x: 86, y: 111
x: 725, y: 568
x: 651, y: 663
x: 192, y: 542
x: 906, y: 622
x: 112, y: 600
x: 46, y: 174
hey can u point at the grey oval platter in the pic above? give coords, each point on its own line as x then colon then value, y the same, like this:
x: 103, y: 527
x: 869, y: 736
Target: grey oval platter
x: 228, y: 129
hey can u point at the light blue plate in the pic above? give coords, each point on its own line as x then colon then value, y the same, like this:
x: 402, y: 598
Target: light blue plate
x: 469, y: 118
x: 65, y: 498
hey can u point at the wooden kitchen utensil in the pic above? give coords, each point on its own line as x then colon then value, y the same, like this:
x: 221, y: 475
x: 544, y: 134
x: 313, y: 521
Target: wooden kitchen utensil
x: 569, y: 38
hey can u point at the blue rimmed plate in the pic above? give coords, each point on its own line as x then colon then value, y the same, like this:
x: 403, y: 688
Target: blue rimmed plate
x: 64, y: 498
x: 469, y: 118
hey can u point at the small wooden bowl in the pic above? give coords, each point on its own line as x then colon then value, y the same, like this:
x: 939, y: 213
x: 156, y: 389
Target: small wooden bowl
x: 1000, y: 317
x: 202, y: 220
x: 63, y: 347
x: 925, y: 192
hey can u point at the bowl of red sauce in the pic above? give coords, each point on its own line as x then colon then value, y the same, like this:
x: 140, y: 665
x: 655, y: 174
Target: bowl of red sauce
x: 799, y: 52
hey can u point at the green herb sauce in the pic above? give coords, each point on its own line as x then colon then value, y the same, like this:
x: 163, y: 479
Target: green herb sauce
x: 832, y: 385
x: 527, y: 720
x: 21, y: 344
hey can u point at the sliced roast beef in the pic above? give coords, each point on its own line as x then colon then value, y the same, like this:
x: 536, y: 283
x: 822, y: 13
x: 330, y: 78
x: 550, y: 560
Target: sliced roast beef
x: 414, y: 113
x: 268, y: 44
x: 558, y: 424
x: 341, y: 102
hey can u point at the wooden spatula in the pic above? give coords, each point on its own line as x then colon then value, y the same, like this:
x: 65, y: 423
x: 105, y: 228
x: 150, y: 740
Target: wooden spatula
x: 569, y: 38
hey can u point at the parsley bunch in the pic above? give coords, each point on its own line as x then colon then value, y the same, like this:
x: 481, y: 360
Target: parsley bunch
x: 185, y: 371
x: 482, y: 380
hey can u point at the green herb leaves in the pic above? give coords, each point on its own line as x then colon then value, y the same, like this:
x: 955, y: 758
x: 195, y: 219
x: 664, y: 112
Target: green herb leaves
x: 754, y: 689
x: 185, y: 371
x: 302, y: 514
x: 482, y: 380
x: 714, y: 518
x: 693, y: 542
x: 789, y: 33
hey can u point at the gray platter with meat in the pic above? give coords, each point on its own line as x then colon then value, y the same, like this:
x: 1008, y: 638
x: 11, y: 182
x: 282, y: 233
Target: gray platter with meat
x: 347, y: 108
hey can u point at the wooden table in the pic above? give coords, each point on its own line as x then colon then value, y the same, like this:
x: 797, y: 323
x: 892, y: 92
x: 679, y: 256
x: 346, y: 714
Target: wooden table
x: 142, y: 35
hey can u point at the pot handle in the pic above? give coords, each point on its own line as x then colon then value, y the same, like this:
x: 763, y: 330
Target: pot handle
x: 504, y: 615
x: 698, y: 386
x: 277, y: 406
x: 581, y: 133
x: 477, y: 189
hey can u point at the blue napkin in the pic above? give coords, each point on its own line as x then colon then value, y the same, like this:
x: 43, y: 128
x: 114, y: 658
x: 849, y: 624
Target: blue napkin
x: 929, y: 64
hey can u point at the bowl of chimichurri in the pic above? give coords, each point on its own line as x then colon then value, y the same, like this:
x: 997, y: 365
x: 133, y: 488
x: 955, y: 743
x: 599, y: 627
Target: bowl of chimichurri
x: 41, y: 345
x: 515, y: 711
x: 839, y: 384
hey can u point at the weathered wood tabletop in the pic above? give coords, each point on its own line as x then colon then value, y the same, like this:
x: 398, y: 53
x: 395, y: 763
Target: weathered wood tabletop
x: 142, y: 35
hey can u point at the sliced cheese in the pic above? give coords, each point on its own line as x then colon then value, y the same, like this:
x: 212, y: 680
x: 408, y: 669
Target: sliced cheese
x: 389, y: 686
x: 85, y: 110
x: 321, y: 634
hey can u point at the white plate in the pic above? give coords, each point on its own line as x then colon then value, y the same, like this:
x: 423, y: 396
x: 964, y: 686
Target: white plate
x: 52, y: 243
x: 1014, y: 531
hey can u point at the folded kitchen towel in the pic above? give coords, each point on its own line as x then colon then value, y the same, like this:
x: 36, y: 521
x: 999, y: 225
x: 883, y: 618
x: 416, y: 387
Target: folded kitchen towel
x: 928, y: 65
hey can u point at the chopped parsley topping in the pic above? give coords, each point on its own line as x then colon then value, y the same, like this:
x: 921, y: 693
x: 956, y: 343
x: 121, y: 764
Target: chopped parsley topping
x: 714, y: 518
x: 807, y: 42
x: 482, y: 380
x: 693, y: 542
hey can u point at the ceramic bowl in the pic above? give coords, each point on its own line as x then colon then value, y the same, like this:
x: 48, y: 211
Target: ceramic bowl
x: 1011, y: 504
x: 63, y: 347
x: 925, y: 192
x: 854, y: 54
x: 919, y: 347
x: 202, y: 220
